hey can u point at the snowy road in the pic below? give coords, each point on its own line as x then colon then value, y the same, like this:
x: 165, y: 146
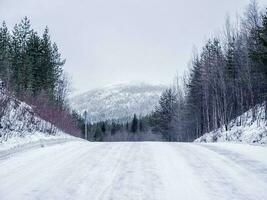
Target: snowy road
x: 121, y: 171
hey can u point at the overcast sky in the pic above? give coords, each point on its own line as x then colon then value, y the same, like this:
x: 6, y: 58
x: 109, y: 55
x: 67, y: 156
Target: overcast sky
x: 111, y: 41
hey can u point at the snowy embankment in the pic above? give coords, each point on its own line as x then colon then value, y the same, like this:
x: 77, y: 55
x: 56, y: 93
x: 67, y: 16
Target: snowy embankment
x: 19, y: 125
x: 243, y: 129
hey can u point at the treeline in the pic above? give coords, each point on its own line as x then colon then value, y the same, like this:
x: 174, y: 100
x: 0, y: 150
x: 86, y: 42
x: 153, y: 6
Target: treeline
x: 31, y: 68
x: 138, y: 129
x: 228, y: 77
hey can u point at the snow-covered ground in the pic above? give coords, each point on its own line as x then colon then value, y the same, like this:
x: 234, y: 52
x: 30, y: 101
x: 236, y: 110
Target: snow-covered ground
x: 21, y: 127
x: 243, y: 129
x: 141, y: 170
x: 31, y: 141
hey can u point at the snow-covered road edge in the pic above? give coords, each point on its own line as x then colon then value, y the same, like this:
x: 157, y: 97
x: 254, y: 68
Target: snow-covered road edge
x: 18, y: 145
x: 243, y: 129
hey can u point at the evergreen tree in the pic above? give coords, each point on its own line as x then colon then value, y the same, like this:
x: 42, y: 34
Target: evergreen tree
x: 103, y: 128
x: 113, y: 129
x: 98, y: 136
x: 141, y: 126
x: 164, y: 115
x: 134, y: 125
x: 20, y: 70
x: 4, y: 54
x: 127, y: 126
x: 32, y: 60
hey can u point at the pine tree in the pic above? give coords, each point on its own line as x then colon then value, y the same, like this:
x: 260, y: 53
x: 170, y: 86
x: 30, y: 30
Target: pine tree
x: 32, y: 60
x: 141, y: 126
x: 98, y: 136
x: 4, y: 54
x: 134, y: 125
x: 113, y: 128
x: 127, y: 126
x: 194, y: 115
x: 164, y: 115
x: 103, y: 127
x: 20, y: 70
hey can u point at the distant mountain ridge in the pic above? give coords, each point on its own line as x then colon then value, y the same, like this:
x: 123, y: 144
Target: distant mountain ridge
x: 118, y: 101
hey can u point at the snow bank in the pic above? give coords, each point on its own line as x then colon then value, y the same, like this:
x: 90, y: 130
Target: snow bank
x: 20, y: 125
x: 36, y: 140
x: 243, y: 129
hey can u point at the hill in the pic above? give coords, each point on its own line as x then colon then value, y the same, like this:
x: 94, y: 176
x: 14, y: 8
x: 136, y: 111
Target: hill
x: 118, y: 102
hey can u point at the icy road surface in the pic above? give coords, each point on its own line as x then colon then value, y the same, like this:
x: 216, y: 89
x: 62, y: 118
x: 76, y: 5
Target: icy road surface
x: 146, y: 170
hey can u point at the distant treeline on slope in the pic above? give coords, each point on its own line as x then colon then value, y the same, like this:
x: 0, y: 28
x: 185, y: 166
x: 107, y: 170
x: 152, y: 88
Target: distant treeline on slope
x: 31, y: 68
x: 227, y: 78
x: 137, y: 129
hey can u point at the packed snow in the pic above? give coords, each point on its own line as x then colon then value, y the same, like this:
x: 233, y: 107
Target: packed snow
x: 82, y: 170
x: 243, y: 129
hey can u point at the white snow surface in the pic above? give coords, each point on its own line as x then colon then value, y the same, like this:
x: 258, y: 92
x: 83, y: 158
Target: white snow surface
x: 242, y: 129
x: 18, y: 143
x: 20, y: 125
x: 118, y: 101
x: 80, y: 170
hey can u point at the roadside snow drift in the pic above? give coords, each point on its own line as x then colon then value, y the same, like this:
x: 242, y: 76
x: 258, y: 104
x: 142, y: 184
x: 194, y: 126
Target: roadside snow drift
x: 19, y: 124
x: 242, y: 129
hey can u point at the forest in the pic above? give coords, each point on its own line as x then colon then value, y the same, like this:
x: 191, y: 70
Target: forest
x: 227, y: 77
x: 31, y: 68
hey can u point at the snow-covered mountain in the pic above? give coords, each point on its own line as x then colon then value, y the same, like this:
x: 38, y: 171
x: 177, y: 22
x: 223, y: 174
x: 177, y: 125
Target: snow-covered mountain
x: 118, y: 101
x: 242, y: 129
